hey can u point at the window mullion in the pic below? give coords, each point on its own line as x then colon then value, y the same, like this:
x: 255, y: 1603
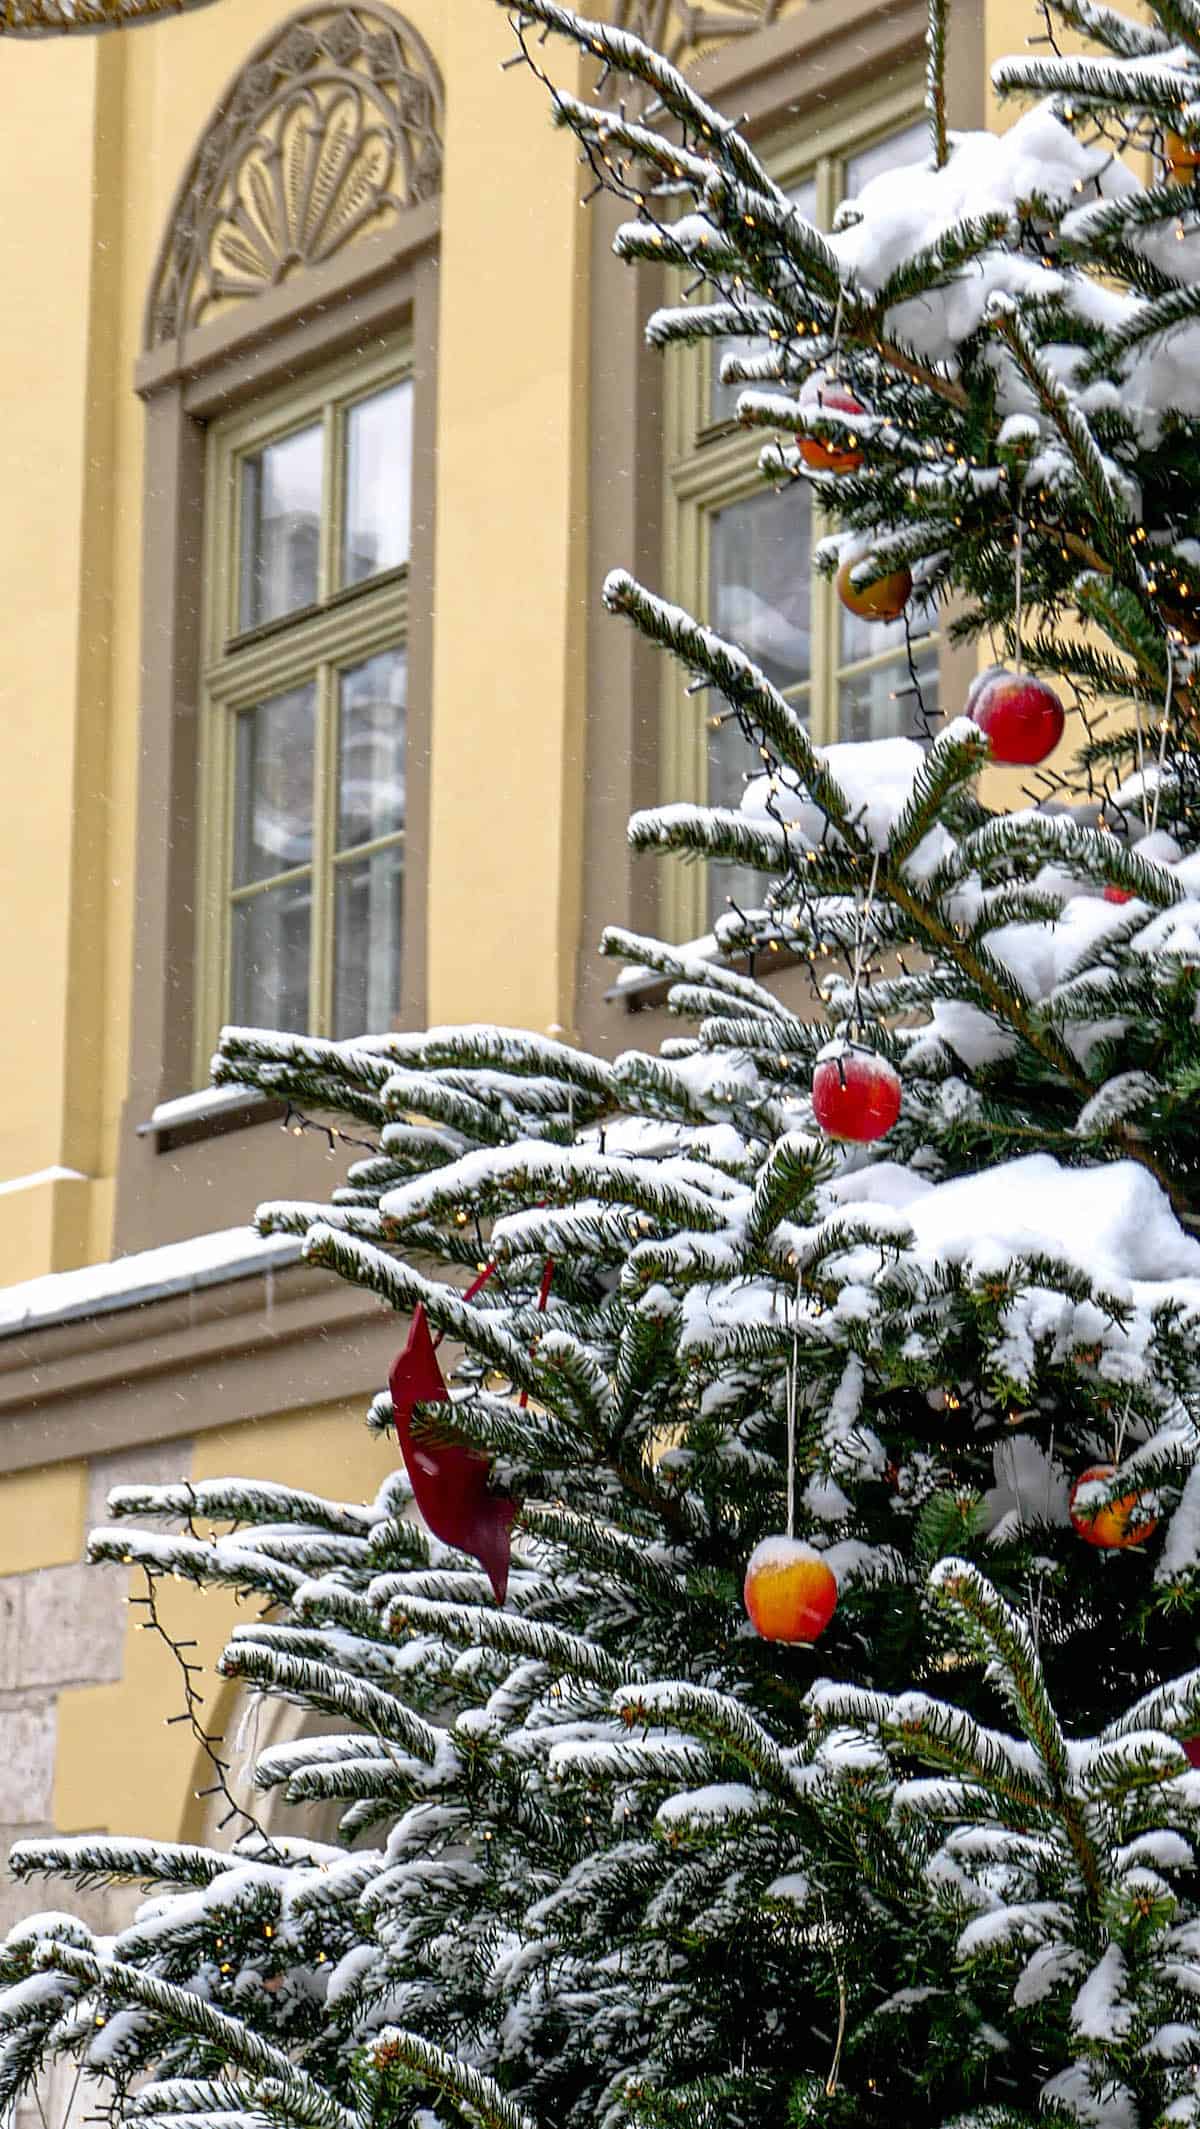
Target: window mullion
x: 325, y: 799
x: 224, y: 741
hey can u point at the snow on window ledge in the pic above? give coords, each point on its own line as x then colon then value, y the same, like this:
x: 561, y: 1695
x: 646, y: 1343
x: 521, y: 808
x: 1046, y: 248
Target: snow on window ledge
x: 151, y: 1275
x: 210, y: 1112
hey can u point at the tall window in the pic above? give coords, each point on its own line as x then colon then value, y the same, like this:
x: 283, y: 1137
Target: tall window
x: 305, y: 690
x: 742, y: 554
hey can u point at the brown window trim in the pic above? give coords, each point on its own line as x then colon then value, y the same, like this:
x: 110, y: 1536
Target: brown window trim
x: 799, y: 64
x: 220, y: 1166
x: 170, y: 1367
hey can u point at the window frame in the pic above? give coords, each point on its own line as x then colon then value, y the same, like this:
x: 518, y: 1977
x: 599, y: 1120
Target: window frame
x: 709, y: 465
x: 241, y: 668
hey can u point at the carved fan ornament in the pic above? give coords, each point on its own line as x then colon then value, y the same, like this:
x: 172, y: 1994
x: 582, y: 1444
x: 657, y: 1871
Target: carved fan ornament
x: 330, y: 131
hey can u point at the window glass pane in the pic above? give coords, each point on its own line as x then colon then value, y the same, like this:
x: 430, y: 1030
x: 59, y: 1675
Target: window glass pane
x: 730, y: 762
x: 367, y: 926
x: 909, y: 145
x: 273, y: 786
x: 760, y: 586
x: 760, y: 594
x: 723, y: 398
x: 281, y: 527
x: 378, y: 483
x: 881, y: 704
x: 270, y: 939
x: 869, y: 639
x: 371, y: 749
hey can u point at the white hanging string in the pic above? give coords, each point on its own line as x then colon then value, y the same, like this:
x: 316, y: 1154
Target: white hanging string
x: 1140, y: 739
x: 1018, y: 588
x: 862, y: 920
x: 793, y: 1375
x: 1162, y: 744
x: 1119, y: 1427
x: 834, y: 352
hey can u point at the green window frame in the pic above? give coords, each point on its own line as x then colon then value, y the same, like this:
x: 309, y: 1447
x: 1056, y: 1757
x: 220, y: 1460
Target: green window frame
x: 711, y: 467
x: 303, y: 701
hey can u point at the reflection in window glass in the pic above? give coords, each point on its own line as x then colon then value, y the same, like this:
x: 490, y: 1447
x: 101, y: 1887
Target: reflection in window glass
x: 761, y: 599
x: 760, y: 557
x: 368, y: 920
x: 378, y: 484
x: 881, y: 704
x: 371, y: 730
x: 280, y: 528
x: 271, y: 933
x: 273, y: 786
x: 369, y: 894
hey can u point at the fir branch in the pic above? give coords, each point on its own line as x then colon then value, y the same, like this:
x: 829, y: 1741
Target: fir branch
x: 1180, y: 20
x: 284, y: 2091
x: 935, y: 265
x: 1159, y: 91
x: 1068, y: 418
x: 995, y: 1628
x: 1155, y: 320
x: 744, y: 687
x: 561, y: 1652
x: 332, y: 1692
x: 1121, y: 35
x: 675, y: 965
x: 102, y: 1859
x: 475, y: 2094
x: 750, y: 221
x: 718, y: 1718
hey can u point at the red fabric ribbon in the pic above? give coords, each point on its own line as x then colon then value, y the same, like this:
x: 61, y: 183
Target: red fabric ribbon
x: 450, y: 1480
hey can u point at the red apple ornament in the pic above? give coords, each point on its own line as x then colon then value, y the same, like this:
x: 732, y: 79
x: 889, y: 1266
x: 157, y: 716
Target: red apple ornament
x: 1128, y: 1521
x: 832, y: 456
x: 1117, y: 894
x: 450, y: 1481
x: 1021, y: 715
x: 790, y: 1592
x: 856, y: 1095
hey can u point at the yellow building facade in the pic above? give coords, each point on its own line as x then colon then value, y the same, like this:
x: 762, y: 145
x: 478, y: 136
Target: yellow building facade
x: 239, y: 233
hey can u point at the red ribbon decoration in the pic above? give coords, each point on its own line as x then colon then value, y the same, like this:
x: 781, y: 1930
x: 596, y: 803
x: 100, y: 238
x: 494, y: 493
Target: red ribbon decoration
x: 450, y: 1481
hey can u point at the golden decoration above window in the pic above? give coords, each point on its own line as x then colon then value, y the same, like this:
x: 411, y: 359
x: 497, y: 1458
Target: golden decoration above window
x: 329, y: 132
x: 49, y: 18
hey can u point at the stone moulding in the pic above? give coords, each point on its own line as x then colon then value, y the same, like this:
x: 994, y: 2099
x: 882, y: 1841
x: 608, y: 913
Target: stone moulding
x: 329, y: 132
x: 677, y: 29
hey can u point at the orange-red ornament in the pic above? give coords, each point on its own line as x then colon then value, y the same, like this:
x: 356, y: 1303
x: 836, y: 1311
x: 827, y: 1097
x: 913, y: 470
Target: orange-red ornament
x: 790, y: 1591
x: 1183, y: 158
x: 1128, y: 1521
x: 829, y: 456
x: 883, y: 598
x: 1117, y: 894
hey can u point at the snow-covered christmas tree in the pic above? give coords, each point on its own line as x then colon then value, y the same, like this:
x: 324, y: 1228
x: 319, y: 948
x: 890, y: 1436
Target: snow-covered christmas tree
x: 783, y: 1706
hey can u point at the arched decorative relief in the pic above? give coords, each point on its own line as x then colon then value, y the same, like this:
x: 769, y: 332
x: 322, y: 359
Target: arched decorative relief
x: 329, y: 133
x: 679, y: 30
